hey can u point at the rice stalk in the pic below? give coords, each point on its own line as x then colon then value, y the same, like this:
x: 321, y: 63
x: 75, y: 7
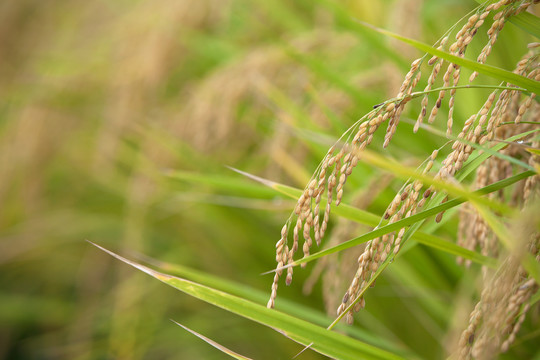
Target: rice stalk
x: 309, y: 222
x: 335, y: 269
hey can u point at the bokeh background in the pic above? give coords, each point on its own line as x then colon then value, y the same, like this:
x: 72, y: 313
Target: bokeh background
x: 117, y: 122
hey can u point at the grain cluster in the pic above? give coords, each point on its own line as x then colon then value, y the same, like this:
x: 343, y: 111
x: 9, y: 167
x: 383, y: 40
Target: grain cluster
x: 506, y: 112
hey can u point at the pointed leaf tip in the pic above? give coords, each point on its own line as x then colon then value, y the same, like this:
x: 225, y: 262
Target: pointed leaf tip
x: 261, y: 180
x: 213, y: 343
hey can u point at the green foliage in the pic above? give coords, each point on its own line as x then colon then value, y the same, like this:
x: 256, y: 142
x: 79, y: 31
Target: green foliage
x: 121, y: 123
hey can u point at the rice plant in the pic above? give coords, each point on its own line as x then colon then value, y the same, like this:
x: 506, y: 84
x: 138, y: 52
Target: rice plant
x: 395, y: 144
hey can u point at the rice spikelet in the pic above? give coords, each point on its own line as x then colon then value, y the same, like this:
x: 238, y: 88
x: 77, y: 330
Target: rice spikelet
x: 312, y: 214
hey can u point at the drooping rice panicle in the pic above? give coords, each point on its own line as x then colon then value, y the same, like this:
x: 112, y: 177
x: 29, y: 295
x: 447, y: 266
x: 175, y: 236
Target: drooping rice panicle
x: 487, y: 124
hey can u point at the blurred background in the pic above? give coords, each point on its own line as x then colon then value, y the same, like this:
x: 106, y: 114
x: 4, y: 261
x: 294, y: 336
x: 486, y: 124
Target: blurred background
x: 117, y: 122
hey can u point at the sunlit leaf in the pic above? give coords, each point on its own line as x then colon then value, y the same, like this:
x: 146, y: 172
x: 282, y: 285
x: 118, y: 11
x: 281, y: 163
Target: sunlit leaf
x: 218, y: 346
x: 495, y: 72
x: 323, y: 341
x: 412, y: 220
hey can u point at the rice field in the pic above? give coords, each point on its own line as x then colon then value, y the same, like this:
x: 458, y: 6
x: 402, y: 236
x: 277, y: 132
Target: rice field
x: 204, y: 179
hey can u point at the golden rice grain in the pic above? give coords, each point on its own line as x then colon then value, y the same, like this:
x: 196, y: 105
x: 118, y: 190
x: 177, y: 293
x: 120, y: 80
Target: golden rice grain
x: 340, y: 161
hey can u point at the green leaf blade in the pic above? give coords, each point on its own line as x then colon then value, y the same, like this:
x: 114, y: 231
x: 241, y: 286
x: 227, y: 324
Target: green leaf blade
x: 408, y: 221
x: 211, y: 342
x: 322, y: 340
x: 492, y: 71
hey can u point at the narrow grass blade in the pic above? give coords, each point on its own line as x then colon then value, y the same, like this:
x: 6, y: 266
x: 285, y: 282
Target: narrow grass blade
x: 326, y: 342
x: 452, y: 188
x: 224, y: 183
x: 287, y: 306
x: 336, y: 321
x: 489, y: 150
x: 495, y: 72
x: 344, y: 210
x: 367, y: 218
x: 475, y: 161
x: 451, y: 248
x: 528, y: 22
x: 218, y: 346
x: 412, y: 220
x: 533, y: 151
